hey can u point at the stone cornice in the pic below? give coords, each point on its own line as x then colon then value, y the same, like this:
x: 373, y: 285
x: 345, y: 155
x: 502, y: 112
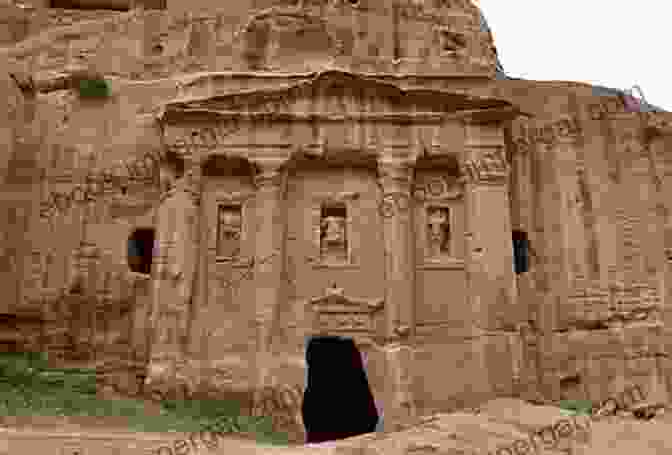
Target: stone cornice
x: 492, y: 115
x: 275, y: 100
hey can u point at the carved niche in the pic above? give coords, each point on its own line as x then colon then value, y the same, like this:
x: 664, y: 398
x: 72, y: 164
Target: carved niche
x: 439, y: 209
x: 333, y: 234
x: 228, y: 225
x: 439, y: 232
x: 339, y: 315
x: 229, y: 230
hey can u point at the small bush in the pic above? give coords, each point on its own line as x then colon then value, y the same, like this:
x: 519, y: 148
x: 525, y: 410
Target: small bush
x: 94, y: 88
x: 580, y: 407
x: 29, y: 387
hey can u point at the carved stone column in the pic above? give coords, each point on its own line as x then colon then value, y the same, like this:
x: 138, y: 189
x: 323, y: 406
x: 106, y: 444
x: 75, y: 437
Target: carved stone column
x: 396, y: 184
x: 489, y: 255
x: 270, y: 220
x: 573, y: 206
x: 194, y: 189
x: 174, y: 270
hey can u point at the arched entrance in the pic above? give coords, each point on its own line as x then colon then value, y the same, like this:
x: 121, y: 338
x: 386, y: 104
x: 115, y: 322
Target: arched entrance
x: 338, y: 402
x: 140, y: 246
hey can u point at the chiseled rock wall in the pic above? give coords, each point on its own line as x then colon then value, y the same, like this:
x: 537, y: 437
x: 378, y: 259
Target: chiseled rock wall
x: 598, y: 268
x: 153, y: 44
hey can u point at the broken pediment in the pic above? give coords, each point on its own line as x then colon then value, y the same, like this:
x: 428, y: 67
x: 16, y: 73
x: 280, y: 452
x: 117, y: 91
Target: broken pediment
x: 333, y: 93
x: 338, y: 314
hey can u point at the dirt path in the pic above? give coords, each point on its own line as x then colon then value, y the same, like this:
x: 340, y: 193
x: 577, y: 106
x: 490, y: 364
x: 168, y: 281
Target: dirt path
x: 88, y: 442
x: 450, y: 434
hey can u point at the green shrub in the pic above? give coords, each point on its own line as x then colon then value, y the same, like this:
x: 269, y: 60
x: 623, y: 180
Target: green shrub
x: 94, y: 88
x: 581, y: 407
x: 29, y: 387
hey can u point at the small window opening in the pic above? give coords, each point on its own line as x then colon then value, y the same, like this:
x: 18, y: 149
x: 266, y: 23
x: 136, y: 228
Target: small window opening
x: 140, y: 250
x: 333, y: 231
x: 521, y: 246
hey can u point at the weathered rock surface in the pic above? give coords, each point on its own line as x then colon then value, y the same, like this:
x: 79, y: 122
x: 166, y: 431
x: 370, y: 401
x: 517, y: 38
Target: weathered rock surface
x: 378, y: 166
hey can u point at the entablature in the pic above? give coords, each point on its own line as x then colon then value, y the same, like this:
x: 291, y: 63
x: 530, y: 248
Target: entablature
x: 332, y: 112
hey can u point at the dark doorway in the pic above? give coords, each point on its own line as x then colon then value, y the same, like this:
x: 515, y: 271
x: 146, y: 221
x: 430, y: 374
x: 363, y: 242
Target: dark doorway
x: 338, y: 402
x: 521, y: 246
x: 140, y: 246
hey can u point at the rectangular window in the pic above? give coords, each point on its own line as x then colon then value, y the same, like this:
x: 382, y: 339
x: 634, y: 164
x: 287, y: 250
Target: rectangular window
x: 229, y: 230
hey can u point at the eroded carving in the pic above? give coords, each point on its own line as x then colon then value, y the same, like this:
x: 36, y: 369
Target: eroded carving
x: 529, y: 133
x: 438, y: 231
x: 282, y: 34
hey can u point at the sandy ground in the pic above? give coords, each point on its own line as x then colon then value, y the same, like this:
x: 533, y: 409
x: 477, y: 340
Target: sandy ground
x: 105, y: 436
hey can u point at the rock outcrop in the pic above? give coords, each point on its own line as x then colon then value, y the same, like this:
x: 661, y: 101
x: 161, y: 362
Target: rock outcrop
x: 355, y: 168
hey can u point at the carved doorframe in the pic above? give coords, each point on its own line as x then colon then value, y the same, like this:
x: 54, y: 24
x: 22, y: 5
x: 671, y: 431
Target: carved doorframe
x: 337, y: 314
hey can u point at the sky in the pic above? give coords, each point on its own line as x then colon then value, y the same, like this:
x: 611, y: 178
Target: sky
x: 615, y: 44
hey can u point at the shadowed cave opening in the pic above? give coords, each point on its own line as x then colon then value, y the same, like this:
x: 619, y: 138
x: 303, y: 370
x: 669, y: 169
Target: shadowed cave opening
x: 521, y: 245
x: 140, y: 245
x: 338, y: 402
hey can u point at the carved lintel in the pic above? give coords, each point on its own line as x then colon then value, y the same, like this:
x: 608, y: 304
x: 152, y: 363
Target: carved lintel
x: 334, y: 300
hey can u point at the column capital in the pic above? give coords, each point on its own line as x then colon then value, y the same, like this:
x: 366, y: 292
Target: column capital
x: 395, y: 176
x: 269, y: 173
x: 485, y: 165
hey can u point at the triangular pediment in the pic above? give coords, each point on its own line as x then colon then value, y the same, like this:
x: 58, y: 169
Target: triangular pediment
x: 335, y: 301
x: 333, y: 93
x: 337, y: 314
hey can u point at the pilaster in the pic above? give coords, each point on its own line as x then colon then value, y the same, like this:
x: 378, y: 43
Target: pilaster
x: 574, y: 245
x: 489, y: 252
x: 268, y: 260
x: 395, y: 180
x: 174, y: 267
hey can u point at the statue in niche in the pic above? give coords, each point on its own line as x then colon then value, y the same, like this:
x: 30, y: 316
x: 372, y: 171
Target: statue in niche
x: 438, y: 231
x: 229, y: 225
x: 333, y: 241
